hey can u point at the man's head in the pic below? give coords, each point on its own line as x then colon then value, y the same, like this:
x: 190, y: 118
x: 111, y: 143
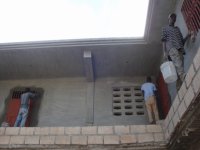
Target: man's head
x: 172, y: 19
x: 148, y: 79
x: 27, y: 89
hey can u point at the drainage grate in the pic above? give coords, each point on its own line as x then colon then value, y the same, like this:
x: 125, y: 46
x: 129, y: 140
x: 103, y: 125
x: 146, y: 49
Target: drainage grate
x: 127, y: 101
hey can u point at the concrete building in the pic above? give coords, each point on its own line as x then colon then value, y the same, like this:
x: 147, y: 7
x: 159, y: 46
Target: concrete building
x: 80, y: 82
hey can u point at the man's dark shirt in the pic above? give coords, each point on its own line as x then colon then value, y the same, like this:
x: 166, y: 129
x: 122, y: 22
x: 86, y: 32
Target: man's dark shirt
x: 173, y: 37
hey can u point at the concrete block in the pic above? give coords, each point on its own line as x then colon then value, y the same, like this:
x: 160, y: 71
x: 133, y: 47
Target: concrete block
x: 159, y: 137
x: 171, y: 113
x: 72, y: 130
x: 95, y: 139
x: 57, y: 131
x: 138, y: 129
x: 17, y: 140
x: 175, y: 119
x: 2, y: 130
x: 79, y: 140
x: 176, y: 103
x: 181, y: 109
x: 182, y: 91
x: 166, y: 123
x: 27, y: 131
x: 32, y: 140
x: 171, y: 127
x: 47, y: 139
x: 62, y: 140
x: 190, y: 75
x: 89, y: 130
x: 196, y: 60
x: 111, y: 139
x: 166, y: 134
x: 128, y: 139
x: 196, y: 83
x: 12, y: 131
x: 189, y: 96
x: 105, y: 130
x: 154, y: 128
x: 4, y: 140
x: 121, y: 129
x: 41, y: 131
x: 145, y: 137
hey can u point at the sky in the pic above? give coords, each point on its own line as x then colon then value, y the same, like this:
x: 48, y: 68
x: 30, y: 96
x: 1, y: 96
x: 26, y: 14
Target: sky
x: 42, y: 20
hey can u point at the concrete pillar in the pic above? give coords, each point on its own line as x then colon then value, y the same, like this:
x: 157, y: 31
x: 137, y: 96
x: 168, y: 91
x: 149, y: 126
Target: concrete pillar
x: 88, y: 64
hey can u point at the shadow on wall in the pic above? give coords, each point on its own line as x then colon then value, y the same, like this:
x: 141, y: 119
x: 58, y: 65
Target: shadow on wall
x: 11, y: 107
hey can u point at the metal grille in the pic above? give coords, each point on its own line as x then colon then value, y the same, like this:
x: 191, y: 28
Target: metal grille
x: 16, y: 94
x: 127, y: 101
x: 191, y: 13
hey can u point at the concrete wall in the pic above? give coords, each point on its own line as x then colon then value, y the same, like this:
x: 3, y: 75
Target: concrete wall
x: 103, y: 102
x: 190, y: 47
x: 52, y: 62
x: 183, y: 114
x: 65, y: 101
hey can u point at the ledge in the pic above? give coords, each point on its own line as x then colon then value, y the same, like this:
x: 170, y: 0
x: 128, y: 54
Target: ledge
x: 54, y: 137
x: 72, y: 43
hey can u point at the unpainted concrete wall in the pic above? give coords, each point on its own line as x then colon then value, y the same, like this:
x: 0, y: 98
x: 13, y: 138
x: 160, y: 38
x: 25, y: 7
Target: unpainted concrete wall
x: 64, y: 101
x: 103, y: 102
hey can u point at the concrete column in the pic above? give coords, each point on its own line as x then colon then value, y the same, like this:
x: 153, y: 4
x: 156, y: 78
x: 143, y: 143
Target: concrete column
x: 88, y: 64
x: 90, y: 103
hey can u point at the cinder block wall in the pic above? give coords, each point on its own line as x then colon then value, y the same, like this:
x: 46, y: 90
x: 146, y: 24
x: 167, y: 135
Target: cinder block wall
x: 110, y: 137
x: 61, y: 96
x: 185, y: 97
x: 64, y: 101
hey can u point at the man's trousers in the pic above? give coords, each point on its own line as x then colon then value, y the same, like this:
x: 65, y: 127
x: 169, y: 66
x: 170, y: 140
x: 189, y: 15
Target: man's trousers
x: 152, y: 109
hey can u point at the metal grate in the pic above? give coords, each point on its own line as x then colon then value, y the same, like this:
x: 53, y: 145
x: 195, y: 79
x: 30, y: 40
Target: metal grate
x: 127, y: 101
x: 16, y: 94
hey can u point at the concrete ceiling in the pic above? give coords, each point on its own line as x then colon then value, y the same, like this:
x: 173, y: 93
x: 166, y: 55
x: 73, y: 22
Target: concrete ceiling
x: 113, y: 59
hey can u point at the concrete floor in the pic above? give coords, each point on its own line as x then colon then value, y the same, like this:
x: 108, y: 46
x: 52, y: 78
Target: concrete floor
x: 68, y: 102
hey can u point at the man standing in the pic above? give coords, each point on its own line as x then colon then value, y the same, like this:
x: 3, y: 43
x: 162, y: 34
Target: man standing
x: 24, y: 108
x: 173, y: 47
x: 149, y: 91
